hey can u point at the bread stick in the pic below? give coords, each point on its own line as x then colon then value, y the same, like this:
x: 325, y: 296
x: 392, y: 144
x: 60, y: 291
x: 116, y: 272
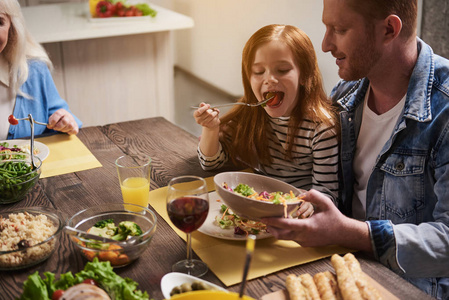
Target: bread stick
x: 346, y: 282
x: 327, y: 286
x: 367, y: 291
x: 310, y: 287
x: 295, y: 288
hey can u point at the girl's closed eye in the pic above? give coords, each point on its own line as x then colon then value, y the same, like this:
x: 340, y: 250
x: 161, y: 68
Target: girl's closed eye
x: 284, y: 71
x: 258, y: 71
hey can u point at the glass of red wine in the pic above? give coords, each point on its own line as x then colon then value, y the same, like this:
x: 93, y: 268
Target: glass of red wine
x: 187, y: 208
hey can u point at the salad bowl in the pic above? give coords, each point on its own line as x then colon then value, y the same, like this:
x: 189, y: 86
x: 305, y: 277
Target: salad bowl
x: 253, y: 209
x: 119, y: 253
x: 17, y: 176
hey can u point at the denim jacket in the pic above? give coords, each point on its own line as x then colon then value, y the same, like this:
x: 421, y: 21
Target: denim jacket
x: 45, y: 100
x: 407, y: 201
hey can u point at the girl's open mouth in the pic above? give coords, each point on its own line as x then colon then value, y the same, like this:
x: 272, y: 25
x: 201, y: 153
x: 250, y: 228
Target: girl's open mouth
x: 276, y: 101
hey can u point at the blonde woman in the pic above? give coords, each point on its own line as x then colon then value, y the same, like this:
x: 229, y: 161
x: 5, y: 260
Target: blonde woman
x: 26, y: 85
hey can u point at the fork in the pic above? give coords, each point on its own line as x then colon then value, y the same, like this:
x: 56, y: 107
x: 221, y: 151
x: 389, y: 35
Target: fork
x: 239, y: 103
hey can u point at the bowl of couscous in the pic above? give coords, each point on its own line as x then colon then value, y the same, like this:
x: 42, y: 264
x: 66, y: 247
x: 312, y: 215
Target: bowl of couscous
x: 28, y: 236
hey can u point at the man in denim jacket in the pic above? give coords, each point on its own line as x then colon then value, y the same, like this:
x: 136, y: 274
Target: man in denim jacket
x: 394, y: 109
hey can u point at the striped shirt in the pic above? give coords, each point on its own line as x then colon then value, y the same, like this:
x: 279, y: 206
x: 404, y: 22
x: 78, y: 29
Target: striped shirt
x: 314, y: 162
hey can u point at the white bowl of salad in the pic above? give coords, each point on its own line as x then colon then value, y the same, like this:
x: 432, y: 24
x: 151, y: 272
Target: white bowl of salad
x: 254, y: 196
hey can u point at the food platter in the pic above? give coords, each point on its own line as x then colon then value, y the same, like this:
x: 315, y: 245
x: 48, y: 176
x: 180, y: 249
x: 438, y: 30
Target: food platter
x: 212, y: 229
x: 113, y: 20
x: 43, y: 150
x: 173, y: 279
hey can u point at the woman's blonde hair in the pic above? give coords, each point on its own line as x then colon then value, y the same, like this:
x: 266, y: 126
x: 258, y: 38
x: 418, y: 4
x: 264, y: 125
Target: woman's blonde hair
x: 245, y: 131
x: 21, y: 46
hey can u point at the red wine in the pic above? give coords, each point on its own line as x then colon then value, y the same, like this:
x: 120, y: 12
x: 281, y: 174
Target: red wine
x: 188, y: 213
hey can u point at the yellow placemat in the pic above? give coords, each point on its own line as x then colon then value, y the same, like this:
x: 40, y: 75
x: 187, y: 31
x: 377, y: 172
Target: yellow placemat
x: 67, y: 155
x: 226, y: 258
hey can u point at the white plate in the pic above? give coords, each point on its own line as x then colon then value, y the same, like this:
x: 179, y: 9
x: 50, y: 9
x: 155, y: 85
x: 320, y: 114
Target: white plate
x: 112, y: 20
x: 212, y: 229
x: 171, y: 280
x: 43, y: 149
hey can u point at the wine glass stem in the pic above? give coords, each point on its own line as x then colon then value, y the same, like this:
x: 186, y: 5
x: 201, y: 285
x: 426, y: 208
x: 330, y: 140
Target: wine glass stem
x: 189, y: 251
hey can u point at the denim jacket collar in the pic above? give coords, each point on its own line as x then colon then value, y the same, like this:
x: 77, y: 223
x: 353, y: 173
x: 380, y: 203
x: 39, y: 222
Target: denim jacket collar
x: 420, y: 87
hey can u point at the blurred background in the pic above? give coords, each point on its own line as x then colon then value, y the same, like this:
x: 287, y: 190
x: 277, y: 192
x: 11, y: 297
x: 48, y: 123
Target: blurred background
x: 207, y: 57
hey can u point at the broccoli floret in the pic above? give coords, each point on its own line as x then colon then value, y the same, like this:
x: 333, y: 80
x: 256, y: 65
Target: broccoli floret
x: 125, y: 229
x: 104, y: 228
x: 104, y: 223
x: 244, y: 189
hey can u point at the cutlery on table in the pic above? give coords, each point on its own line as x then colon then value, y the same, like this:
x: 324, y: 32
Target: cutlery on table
x: 250, y: 244
x: 239, y: 103
x: 14, y: 121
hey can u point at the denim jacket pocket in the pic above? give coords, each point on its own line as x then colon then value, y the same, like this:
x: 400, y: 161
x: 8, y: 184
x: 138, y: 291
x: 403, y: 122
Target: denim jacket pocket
x: 404, y: 186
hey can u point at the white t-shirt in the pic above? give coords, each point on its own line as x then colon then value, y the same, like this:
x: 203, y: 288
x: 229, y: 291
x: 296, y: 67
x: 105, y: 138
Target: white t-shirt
x: 375, y: 131
x: 6, y: 101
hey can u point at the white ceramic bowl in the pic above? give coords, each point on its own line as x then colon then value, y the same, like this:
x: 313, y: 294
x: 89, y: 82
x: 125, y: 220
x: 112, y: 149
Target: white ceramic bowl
x: 174, y: 279
x: 251, y: 208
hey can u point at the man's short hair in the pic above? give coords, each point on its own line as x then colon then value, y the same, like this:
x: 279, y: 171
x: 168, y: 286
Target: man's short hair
x: 406, y: 10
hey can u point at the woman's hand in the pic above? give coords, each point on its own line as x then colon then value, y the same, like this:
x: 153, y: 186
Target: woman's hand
x: 63, y: 121
x: 206, y: 116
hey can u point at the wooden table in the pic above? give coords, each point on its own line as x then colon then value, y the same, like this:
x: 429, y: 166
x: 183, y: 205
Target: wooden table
x: 173, y: 153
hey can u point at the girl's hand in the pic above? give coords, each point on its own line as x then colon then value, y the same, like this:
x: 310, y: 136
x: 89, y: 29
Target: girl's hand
x: 206, y: 116
x: 63, y: 121
x: 305, y: 210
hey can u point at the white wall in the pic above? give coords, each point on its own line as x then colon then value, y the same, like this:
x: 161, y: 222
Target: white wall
x: 212, y: 49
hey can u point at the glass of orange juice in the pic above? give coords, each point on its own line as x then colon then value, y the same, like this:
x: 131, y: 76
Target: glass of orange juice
x: 134, y: 176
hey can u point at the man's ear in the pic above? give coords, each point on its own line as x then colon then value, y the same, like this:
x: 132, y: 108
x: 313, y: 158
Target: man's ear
x: 392, y: 26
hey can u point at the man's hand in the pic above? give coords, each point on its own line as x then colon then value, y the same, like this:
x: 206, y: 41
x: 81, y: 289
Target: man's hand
x: 327, y: 226
x: 63, y: 121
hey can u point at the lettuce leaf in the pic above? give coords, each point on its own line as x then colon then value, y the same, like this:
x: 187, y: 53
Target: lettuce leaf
x: 244, y: 189
x: 117, y: 287
x: 34, y: 288
x: 146, y: 10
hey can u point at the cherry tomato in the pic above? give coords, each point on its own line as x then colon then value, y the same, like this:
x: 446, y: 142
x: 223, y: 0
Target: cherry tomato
x: 12, y: 120
x: 105, y: 9
x: 90, y: 281
x: 57, y: 294
x: 129, y: 13
x: 119, y: 5
x: 120, y: 12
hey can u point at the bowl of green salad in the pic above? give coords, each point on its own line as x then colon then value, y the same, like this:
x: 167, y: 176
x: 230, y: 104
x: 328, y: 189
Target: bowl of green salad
x: 117, y: 232
x: 253, y: 196
x: 17, y: 175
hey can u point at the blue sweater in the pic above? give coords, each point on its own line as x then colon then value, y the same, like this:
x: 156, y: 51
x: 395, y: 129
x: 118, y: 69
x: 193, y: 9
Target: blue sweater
x: 44, y: 102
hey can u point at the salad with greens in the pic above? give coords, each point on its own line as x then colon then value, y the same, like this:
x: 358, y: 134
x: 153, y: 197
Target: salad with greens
x: 100, y: 273
x: 273, y: 197
x: 241, y: 226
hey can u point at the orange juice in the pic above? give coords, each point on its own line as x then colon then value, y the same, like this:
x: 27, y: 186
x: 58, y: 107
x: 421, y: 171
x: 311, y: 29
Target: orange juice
x: 136, y: 190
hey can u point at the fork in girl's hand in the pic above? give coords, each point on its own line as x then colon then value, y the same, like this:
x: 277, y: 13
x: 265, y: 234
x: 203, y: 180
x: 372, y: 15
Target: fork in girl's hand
x: 239, y: 103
